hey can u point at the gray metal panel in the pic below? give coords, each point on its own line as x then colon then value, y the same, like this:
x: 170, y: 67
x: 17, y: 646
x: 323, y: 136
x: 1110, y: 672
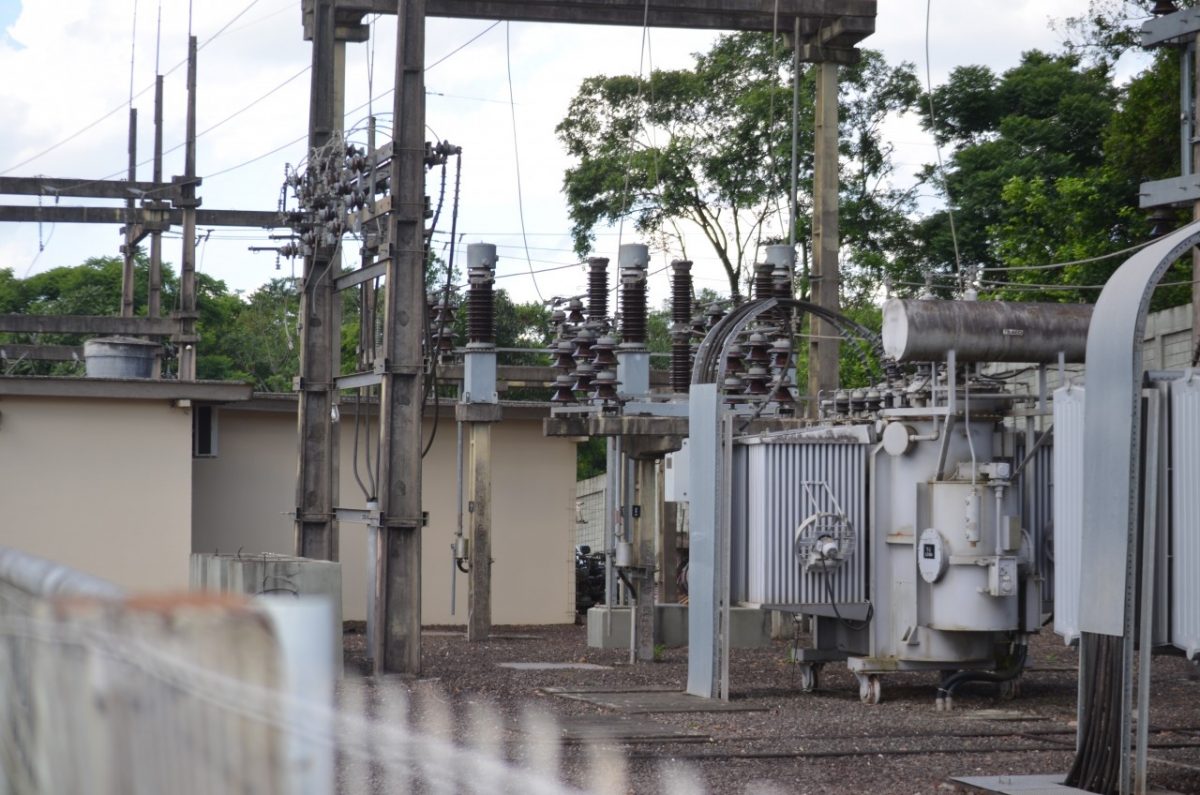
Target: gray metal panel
x: 1165, y: 192
x: 739, y: 541
x: 1068, y: 508
x: 776, y: 506
x: 1112, y: 433
x: 1185, y: 515
x: 1170, y: 26
x: 1040, y: 516
x: 704, y: 542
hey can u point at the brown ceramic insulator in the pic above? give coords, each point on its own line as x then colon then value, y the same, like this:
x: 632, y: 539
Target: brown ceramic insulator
x: 575, y: 311
x: 756, y: 380
x: 583, y: 345
x: 481, y: 313
x: 583, y: 375
x: 604, y: 387
x: 633, y: 308
x: 764, y: 287
x: 604, y: 355
x: 681, y: 365
x: 563, y: 390
x: 681, y: 291
x: 597, y: 311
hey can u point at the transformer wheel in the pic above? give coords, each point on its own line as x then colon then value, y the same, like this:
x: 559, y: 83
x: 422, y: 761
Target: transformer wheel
x: 870, y: 688
x: 809, y: 677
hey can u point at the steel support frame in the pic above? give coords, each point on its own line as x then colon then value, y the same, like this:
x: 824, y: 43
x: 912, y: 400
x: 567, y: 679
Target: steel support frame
x: 1113, y: 453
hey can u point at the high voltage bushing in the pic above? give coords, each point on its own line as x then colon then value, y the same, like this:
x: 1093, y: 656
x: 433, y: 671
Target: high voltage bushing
x: 481, y: 304
x: 632, y: 260
x: 681, y: 329
x: 764, y: 285
x: 597, y: 312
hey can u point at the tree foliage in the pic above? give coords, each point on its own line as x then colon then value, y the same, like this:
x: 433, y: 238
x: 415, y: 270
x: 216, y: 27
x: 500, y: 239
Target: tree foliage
x: 710, y: 147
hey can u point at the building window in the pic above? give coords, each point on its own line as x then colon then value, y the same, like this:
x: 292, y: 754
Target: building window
x: 204, y: 432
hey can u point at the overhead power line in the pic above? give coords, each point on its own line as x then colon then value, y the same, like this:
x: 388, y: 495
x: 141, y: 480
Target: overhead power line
x: 92, y: 124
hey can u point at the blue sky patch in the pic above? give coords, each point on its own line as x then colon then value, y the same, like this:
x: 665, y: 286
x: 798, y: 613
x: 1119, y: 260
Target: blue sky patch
x: 9, y: 11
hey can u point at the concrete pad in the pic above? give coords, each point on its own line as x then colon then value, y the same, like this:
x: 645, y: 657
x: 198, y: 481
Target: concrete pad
x: 624, y: 729
x: 553, y: 666
x: 750, y: 628
x: 651, y: 701
x: 997, y: 714
x: 1019, y: 785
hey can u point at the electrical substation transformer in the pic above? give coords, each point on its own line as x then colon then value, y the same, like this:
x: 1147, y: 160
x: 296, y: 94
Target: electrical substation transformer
x: 911, y: 524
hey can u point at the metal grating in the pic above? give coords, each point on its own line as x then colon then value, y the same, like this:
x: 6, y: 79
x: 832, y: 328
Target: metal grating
x: 1185, y: 515
x: 589, y: 512
x: 776, y: 503
x: 1068, y: 509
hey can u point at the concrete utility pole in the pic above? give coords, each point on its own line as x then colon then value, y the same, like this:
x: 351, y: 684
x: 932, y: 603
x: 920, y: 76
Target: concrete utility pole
x: 1194, y: 143
x: 129, y: 248
x: 316, y: 483
x: 187, y: 339
x: 154, y: 289
x: 479, y: 496
x: 398, y: 540
x: 823, y: 348
x: 479, y: 408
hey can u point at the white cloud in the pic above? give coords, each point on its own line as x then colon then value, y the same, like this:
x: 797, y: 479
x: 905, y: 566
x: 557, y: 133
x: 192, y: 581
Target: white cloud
x: 470, y: 107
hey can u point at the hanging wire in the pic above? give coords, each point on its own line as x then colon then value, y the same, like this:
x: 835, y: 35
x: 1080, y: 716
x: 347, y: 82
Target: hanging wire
x: 633, y: 128
x: 106, y: 116
x: 132, y: 52
x: 937, y: 146
x: 517, y: 158
x: 462, y: 46
x: 1084, y: 261
x: 158, y: 38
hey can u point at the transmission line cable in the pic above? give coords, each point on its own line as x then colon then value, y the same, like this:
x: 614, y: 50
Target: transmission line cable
x: 464, y: 45
x: 132, y: 52
x: 633, y: 128
x: 1085, y: 261
x: 106, y: 116
x: 158, y: 38
x: 512, y: 106
x: 936, y: 145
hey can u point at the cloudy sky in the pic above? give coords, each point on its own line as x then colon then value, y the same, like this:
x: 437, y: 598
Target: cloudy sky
x: 68, y: 64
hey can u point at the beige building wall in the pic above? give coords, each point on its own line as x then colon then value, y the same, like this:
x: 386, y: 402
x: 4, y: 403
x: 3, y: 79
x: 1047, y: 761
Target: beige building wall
x: 243, y: 497
x: 100, y: 485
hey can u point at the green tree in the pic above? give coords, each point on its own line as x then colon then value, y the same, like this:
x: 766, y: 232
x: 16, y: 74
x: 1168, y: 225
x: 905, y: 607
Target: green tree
x: 1042, y: 122
x: 710, y: 146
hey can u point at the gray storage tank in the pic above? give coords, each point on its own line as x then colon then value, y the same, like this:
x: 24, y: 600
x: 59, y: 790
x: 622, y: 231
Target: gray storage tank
x: 120, y: 357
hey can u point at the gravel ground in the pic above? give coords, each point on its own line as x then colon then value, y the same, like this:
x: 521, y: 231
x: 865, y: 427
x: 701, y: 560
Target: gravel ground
x: 795, y: 742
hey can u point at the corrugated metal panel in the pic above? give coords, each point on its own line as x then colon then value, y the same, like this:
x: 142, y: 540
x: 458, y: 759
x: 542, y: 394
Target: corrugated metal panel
x: 1068, y: 509
x: 737, y: 519
x: 1037, y: 505
x: 1041, y: 528
x: 1185, y: 515
x: 776, y: 503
